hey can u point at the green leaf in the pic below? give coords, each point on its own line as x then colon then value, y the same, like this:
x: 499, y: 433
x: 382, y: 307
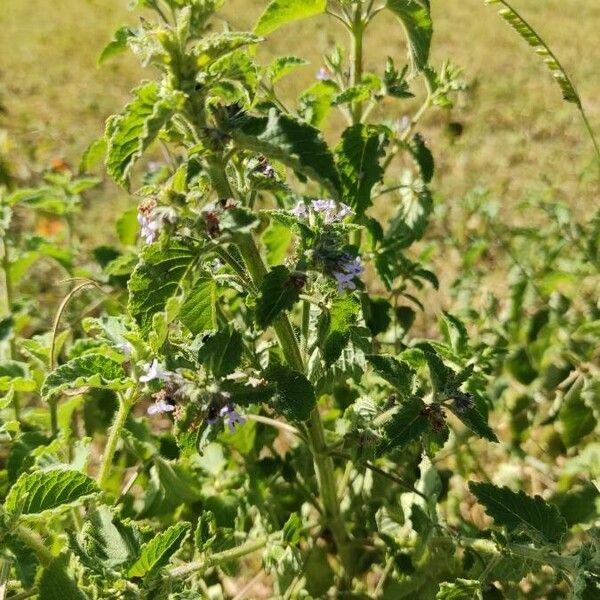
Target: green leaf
x: 222, y: 351
x: 117, y: 45
x: 406, y: 425
x: 343, y: 315
x: 56, y: 584
x: 127, y: 227
x: 106, y: 538
x: 239, y: 220
x: 279, y: 291
x: 576, y: 417
x: 129, y: 134
x: 423, y: 157
x: 281, y: 12
x: 295, y: 396
x: 518, y: 23
x: 217, y: 45
x: 398, y: 374
x: 358, y: 157
x: 475, y: 418
x: 415, y: 17
x: 284, y: 65
x: 521, y: 513
x: 88, y: 370
x: 157, y: 278
x: 277, y: 239
x: 36, y: 492
x: 461, y: 589
x: 198, y: 312
x: 292, y: 142
x: 159, y: 551
x: 24, y: 560
x: 15, y: 375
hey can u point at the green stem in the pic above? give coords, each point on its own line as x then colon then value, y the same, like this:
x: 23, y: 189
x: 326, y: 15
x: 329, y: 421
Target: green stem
x: 8, y: 300
x: 125, y: 404
x: 357, y: 59
x: 291, y: 352
x: 219, y: 558
x: 33, y: 541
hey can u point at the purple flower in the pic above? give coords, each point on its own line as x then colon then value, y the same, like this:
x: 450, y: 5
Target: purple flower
x: 323, y: 75
x: 329, y: 210
x: 160, y: 407
x: 152, y: 218
x: 149, y: 228
x: 233, y: 417
x: 300, y: 210
x: 154, y: 371
x: 346, y: 270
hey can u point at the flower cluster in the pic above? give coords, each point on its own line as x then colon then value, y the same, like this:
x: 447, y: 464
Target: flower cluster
x: 330, y: 210
x: 152, y: 219
x: 155, y: 372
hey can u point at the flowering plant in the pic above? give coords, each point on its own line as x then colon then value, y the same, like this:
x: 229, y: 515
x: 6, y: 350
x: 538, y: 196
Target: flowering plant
x: 266, y: 395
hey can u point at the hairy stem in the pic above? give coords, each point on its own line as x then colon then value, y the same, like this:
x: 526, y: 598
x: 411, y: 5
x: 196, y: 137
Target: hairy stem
x: 35, y: 543
x: 219, y: 558
x: 125, y: 403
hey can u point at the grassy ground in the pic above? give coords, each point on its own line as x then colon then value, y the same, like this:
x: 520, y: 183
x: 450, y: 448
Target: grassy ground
x: 519, y: 137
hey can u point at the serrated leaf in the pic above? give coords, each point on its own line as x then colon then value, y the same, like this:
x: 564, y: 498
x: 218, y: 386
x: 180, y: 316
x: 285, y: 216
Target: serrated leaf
x: 158, y: 552
x: 222, y: 351
x: 36, y: 492
x: 521, y: 513
x: 217, y: 45
x: 461, y: 589
x: 475, y: 418
x: 295, y: 396
x: 130, y: 133
x: 397, y: 373
x: 423, y: 157
x: 117, y: 45
x: 415, y: 17
x: 198, y: 312
x: 343, y: 315
x: 278, y: 293
x: 157, y: 278
x: 576, y: 417
x: 281, y: 12
x: 406, y: 425
x: 239, y: 220
x: 284, y: 65
x: 88, y: 370
x: 292, y: 142
x: 516, y: 21
x: 56, y: 584
x: 357, y: 157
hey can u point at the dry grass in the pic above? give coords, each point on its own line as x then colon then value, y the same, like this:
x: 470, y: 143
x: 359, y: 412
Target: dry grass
x: 519, y: 136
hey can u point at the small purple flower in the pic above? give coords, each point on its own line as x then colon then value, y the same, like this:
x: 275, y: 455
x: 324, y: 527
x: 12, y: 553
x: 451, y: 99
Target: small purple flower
x: 346, y: 270
x: 160, y: 407
x: 329, y: 210
x: 152, y: 218
x: 300, y: 210
x: 233, y: 417
x: 154, y: 371
x: 323, y: 75
x: 148, y: 228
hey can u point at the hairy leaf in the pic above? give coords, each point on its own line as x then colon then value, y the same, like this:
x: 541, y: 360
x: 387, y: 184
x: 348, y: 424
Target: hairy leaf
x: 521, y: 513
x: 88, y: 370
x: 279, y: 291
x: 56, y: 584
x: 295, y: 396
x: 407, y: 425
x: 416, y: 19
x: 222, y: 351
x: 475, y: 418
x: 292, y: 142
x: 358, y: 157
x: 461, y: 589
x: 198, y: 312
x: 576, y: 418
x: 36, y: 492
x: 130, y: 133
x: 157, y: 278
x: 281, y: 12
x: 397, y: 373
x: 343, y: 315
x: 159, y: 551
x: 217, y: 45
